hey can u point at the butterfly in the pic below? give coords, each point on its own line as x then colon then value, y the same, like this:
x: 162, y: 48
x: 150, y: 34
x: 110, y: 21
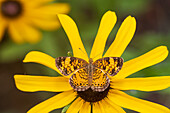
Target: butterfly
x: 84, y: 75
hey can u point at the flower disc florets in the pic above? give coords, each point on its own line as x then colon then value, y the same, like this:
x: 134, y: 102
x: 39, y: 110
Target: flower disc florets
x: 11, y: 9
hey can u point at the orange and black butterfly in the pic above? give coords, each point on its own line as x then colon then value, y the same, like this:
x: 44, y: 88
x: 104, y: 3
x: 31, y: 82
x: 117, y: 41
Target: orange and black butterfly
x: 85, y: 75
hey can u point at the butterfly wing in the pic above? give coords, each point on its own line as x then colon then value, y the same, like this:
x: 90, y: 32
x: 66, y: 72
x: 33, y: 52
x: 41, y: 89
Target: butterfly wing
x: 68, y: 65
x: 100, y: 80
x: 77, y: 69
x: 110, y: 65
x: 79, y: 80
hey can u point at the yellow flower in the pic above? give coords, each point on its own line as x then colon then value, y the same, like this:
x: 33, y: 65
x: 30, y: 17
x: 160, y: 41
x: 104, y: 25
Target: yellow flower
x: 112, y: 98
x: 21, y: 17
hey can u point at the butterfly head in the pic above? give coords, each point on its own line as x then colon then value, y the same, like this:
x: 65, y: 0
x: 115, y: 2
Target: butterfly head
x: 90, y: 60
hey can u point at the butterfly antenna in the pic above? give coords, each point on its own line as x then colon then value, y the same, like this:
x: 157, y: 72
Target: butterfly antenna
x: 94, y: 56
x: 82, y: 51
x: 97, y: 55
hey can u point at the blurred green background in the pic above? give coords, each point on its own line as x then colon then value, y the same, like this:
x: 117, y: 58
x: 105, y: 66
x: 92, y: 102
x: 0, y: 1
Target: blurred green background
x: 152, y: 30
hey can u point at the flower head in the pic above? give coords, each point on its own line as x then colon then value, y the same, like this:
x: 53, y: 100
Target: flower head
x: 113, y: 97
x: 21, y: 17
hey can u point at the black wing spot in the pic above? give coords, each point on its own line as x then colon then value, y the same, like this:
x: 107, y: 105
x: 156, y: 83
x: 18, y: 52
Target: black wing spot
x: 75, y: 67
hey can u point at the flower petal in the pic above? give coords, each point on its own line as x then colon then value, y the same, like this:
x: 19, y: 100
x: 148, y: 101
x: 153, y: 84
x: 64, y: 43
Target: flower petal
x: 49, y: 12
x: 106, y: 25
x: 42, y: 83
x: 41, y: 58
x: 103, y: 107
x: 2, y: 28
x: 148, y: 59
x: 75, y: 106
x: 29, y: 33
x: 21, y: 32
x: 73, y: 35
x: 142, y: 84
x: 112, y: 106
x: 86, y: 108
x: 123, y: 37
x: 45, y: 24
x: 55, y: 102
x: 15, y: 33
x: 96, y: 108
x: 139, y: 105
x: 55, y: 8
x: 37, y: 2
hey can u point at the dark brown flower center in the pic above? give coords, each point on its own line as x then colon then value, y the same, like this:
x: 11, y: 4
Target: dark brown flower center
x: 93, y: 96
x: 11, y: 8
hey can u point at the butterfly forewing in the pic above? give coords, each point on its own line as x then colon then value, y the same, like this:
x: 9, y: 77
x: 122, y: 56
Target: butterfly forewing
x: 100, y: 80
x: 79, y: 80
x: 68, y: 65
x: 110, y: 65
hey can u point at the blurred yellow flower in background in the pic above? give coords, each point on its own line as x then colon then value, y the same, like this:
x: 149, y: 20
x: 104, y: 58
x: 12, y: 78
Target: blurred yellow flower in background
x: 112, y: 99
x: 21, y: 18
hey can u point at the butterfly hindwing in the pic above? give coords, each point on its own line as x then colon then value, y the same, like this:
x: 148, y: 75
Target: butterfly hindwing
x: 68, y: 65
x: 100, y: 80
x: 79, y: 80
x: 110, y: 65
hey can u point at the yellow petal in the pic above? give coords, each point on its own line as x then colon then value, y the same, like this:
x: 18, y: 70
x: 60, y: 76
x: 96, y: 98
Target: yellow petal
x: 142, y: 84
x: 2, y: 27
x: 37, y: 2
x: 112, y: 106
x: 41, y: 58
x: 33, y: 4
x: 57, y: 8
x: 86, y: 108
x: 21, y: 32
x: 29, y: 33
x: 123, y: 37
x: 15, y: 32
x: 106, y: 25
x: 75, y: 106
x: 73, y: 35
x: 45, y: 24
x: 122, y: 99
x: 148, y: 59
x: 42, y: 83
x: 55, y: 102
x: 96, y: 108
x: 49, y: 12
x: 103, y: 107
